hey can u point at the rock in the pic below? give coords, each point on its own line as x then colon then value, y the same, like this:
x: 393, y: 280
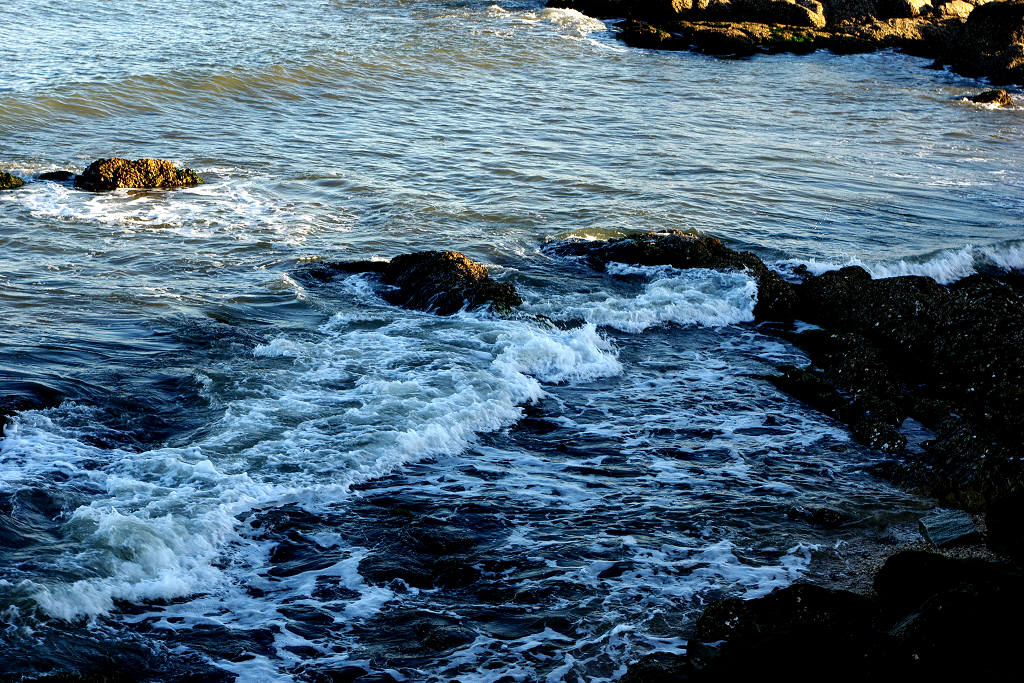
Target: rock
x: 643, y: 35
x: 57, y: 176
x: 991, y: 43
x: 9, y: 182
x: 818, y: 627
x: 998, y: 98
x: 721, y: 40
x: 104, y: 175
x: 838, y: 11
x: 955, y: 8
x: 949, y: 527
x: 442, y: 282
x: 1004, y: 522
x: 889, y: 9
x: 776, y: 297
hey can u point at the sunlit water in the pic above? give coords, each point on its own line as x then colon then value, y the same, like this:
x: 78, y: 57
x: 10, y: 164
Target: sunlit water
x: 218, y: 407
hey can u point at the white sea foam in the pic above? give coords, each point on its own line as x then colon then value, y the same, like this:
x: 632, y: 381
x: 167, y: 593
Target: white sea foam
x: 235, y: 205
x: 701, y: 297
x: 305, y: 418
x: 946, y: 266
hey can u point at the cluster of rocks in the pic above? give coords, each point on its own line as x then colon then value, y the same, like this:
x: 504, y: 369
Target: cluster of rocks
x: 442, y: 282
x: 104, y: 175
x: 881, y: 351
x: 973, y: 37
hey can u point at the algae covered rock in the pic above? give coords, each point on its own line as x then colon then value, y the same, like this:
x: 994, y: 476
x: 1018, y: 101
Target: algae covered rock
x: 442, y: 282
x: 997, y: 98
x: 9, y: 182
x: 104, y: 175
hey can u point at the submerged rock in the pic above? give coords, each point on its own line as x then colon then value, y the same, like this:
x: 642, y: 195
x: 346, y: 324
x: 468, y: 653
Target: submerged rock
x: 104, y: 175
x: 9, y: 182
x: 57, y: 176
x: 998, y: 98
x: 776, y: 298
x: 442, y: 282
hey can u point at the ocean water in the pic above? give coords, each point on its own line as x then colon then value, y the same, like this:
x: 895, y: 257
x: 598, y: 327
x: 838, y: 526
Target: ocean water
x: 253, y: 471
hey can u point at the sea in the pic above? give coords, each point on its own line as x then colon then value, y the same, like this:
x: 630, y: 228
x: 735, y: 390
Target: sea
x: 243, y: 472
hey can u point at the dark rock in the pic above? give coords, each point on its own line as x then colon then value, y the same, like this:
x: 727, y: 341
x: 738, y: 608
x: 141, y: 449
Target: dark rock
x: 104, y: 175
x: 442, y: 282
x: 947, y: 528
x: 999, y: 98
x: 814, y: 626
x: 9, y: 182
x: 776, y: 297
x: 991, y: 43
x: 721, y: 40
x: 1004, y: 521
x: 57, y: 176
x: 950, y: 357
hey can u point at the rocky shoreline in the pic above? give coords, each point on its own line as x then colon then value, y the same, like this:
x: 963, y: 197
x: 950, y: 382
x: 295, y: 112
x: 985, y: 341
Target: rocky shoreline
x: 974, y: 38
x: 886, y: 354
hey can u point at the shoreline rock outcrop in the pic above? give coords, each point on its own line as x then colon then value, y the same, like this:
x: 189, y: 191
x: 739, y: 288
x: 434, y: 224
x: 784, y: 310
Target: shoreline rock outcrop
x: 973, y: 37
x: 441, y: 282
x: 104, y: 175
x: 950, y: 358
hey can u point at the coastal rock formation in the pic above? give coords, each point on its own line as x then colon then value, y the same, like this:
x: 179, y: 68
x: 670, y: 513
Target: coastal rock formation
x: 973, y: 37
x: 775, y: 297
x: 442, y: 282
x: 9, y: 182
x: 929, y: 612
x: 997, y: 98
x: 991, y: 43
x: 950, y: 357
x: 104, y: 175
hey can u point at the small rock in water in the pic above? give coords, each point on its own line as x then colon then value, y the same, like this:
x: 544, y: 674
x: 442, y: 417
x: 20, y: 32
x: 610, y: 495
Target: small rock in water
x: 999, y: 98
x: 947, y: 528
x: 9, y: 182
x: 57, y: 176
x: 104, y: 175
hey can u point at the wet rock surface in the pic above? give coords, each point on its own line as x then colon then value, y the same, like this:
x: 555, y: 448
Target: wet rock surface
x: 951, y: 358
x: 997, y: 98
x: 927, y: 612
x: 104, y: 175
x: 442, y: 282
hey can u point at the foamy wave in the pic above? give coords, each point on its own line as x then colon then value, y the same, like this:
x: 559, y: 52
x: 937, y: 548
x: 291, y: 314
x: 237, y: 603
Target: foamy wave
x: 945, y: 266
x: 575, y: 22
x: 232, y: 204
x: 701, y: 297
x: 305, y: 418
